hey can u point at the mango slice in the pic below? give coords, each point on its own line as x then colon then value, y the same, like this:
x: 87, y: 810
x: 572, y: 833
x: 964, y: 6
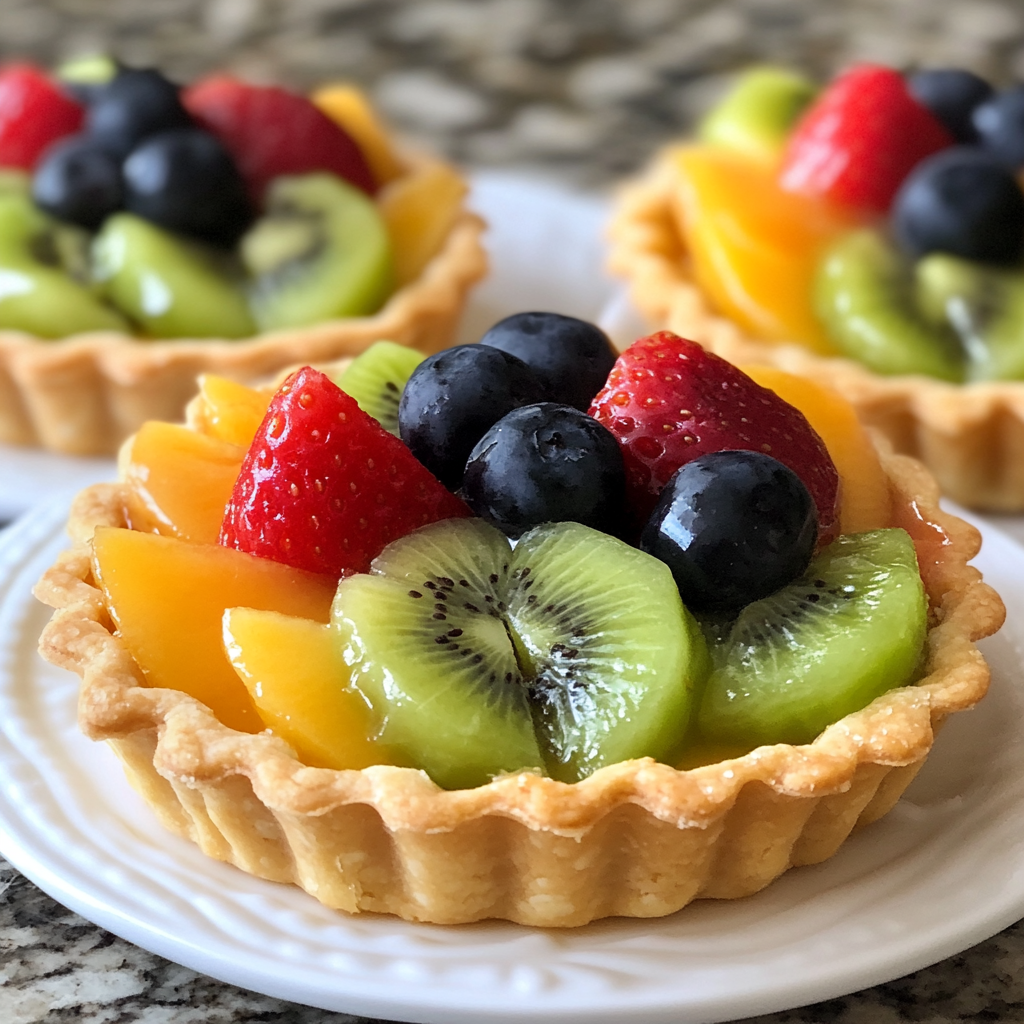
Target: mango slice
x: 347, y: 106
x: 167, y: 599
x: 228, y: 410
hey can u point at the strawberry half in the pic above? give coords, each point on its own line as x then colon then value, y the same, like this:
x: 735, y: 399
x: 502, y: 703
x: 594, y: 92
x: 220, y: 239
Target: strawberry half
x: 270, y: 132
x: 324, y: 487
x: 33, y: 113
x: 667, y: 402
x: 860, y: 139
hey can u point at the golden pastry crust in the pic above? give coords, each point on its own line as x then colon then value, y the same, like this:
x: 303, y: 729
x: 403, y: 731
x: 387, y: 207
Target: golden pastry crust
x: 86, y: 393
x: 970, y: 436
x: 638, y: 839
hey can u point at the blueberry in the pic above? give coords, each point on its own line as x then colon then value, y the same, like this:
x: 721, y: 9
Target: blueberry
x: 571, y: 357
x: 454, y: 397
x: 999, y: 122
x: 547, y: 463
x: 186, y: 181
x: 951, y: 94
x: 733, y: 527
x: 136, y: 103
x: 79, y: 181
x: 964, y: 202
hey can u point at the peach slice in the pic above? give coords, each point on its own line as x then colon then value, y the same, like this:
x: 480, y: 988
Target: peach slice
x: 865, y: 502
x: 178, y: 481
x: 348, y: 107
x: 167, y: 599
x: 228, y: 410
x: 296, y: 674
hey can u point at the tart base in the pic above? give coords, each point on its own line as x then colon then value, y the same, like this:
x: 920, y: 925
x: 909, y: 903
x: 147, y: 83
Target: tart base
x: 636, y: 839
x: 971, y: 436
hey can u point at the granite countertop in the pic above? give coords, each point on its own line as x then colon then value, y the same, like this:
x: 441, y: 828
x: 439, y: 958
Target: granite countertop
x: 583, y: 90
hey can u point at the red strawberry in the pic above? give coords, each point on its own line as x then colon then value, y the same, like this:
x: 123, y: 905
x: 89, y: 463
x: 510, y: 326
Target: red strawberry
x: 271, y: 132
x: 33, y: 113
x: 324, y: 487
x: 667, y: 402
x: 861, y: 138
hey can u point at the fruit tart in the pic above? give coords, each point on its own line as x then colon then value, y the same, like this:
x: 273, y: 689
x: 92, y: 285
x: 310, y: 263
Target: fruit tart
x: 149, y: 233
x: 869, y: 235
x: 519, y: 630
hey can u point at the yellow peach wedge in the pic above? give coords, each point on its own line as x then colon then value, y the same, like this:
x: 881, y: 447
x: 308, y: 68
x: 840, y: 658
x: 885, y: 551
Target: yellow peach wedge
x: 228, y: 410
x: 347, y: 106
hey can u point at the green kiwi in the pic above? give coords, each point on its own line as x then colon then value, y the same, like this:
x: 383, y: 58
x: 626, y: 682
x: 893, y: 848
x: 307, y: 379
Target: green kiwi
x: 851, y: 628
x: 375, y: 379
x: 865, y: 298
x: 569, y: 653
x: 759, y: 111
x: 984, y: 305
x: 320, y: 252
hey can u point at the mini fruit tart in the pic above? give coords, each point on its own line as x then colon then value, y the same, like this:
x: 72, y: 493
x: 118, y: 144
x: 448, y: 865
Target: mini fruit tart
x: 869, y: 236
x: 149, y: 233
x: 725, y: 637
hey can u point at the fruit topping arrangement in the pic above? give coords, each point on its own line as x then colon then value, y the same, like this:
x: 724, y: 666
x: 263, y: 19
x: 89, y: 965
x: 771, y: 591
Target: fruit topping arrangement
x: 217, y: 210
x: 881, y: 218
x: 524, y: 554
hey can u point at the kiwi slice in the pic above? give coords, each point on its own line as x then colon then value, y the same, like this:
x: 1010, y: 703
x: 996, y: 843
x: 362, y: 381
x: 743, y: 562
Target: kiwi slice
x: 984, y: 305
x: 851, y: 628
x: 865, y: 297
x: 376, y: 377
x: 569, y: 653
x: 321, y: 251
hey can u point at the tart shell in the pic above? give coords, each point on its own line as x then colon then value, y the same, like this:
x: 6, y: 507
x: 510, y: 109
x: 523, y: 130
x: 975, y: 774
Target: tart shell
x: 636, y: 839
x: 971, y: 436
x: 86, y: 393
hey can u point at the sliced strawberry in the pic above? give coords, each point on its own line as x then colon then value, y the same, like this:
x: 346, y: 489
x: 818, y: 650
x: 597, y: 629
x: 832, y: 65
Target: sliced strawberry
x: 33, y: 113
x: 324, y: 487
x: 860, y: 139
x: 667, y: 402
x: 271, y: 132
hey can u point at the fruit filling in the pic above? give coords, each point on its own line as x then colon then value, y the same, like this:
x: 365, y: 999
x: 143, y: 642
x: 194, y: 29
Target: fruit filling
x: 881, y: 218
x: 675, y: 570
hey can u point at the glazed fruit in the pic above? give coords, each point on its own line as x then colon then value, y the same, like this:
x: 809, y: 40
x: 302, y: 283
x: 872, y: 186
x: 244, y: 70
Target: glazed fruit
x: 134, y: 104
x: 320, y: 252
x: 228, y: 410
x: 376, y: 377
x: 324, y: 487
x: 78, y: 180
x: 668, y: 402
x: 999, y: 122
x: 756, y: 115
x: 572, y: 652
x: 570, y: 357
x: 347, y: 106
x: 952, y: 95
x: 454, y: 397
x: 547, y: 463
x: 733, y: 526
x: 84, y: 77
x: 296, y: 675
x: 197, y: 582
x: 851, y: 628
x: 271, y: 133
x: 860, y: 139
x: 170, y: 287
x: 865, y: 296
x: 964, y: 202
x: 34, y: 113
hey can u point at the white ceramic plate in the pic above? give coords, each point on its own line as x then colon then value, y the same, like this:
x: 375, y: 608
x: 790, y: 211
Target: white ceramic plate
x: 943, y: 871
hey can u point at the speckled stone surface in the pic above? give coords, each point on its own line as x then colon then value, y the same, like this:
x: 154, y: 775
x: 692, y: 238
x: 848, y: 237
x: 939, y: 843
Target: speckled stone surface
x: 585, y: 90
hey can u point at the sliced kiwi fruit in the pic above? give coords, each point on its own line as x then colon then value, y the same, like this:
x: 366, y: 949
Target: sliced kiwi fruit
x: 567, y: 654
x: 321, y: 251
x: 851, y: 628
x: 865, y: 297
x: 376, y: 377
x: 984, y: 305
x: 169, y: 286
x: 37, y: 292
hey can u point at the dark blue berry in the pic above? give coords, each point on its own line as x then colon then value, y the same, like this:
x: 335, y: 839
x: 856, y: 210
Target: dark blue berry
x: 547, y: 463
x: 135, y: 104
x: 961, y: 201
x: 733, y: 527
x: 571, y: 357
x: 951, y: 94
x: 999, y: 122
x: 79, y: 181
x: 454, y: 397
x: 186, y: 181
